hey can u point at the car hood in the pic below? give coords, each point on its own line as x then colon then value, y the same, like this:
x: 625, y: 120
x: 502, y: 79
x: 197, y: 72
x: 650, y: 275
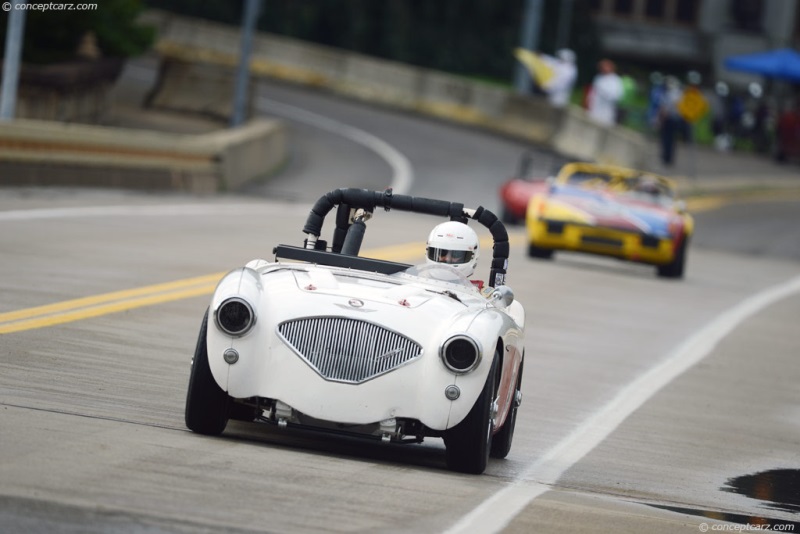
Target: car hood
x: 404, y: 303
x: 608, y: 209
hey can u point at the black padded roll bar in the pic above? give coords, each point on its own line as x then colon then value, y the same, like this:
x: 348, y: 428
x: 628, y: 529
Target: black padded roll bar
x: 351, y: 198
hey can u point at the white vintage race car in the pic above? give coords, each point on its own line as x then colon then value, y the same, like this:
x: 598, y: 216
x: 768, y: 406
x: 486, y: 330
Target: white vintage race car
x: 324, y: 339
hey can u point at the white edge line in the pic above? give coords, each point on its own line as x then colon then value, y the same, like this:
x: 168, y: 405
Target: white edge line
x: 402, y: 175
x: 496, y: 512
x: 165, y: 210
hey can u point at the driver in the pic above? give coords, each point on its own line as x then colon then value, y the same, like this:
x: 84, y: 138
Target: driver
x: 649, y: 185
x: 455, y: 244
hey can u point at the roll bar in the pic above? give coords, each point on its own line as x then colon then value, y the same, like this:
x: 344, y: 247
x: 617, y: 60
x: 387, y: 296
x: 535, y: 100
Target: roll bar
x: 349, y: 232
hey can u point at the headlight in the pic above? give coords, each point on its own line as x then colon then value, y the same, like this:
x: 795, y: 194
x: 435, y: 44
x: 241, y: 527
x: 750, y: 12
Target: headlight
x: 235, y: 316
x: 460, y: 353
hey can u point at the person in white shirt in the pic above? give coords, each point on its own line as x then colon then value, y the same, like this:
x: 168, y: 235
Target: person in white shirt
x: 559, y: 87
x: 606, y: 91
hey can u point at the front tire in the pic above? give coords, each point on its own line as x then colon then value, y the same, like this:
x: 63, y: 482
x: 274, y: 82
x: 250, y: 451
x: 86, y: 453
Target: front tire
x: 501, y: 442
x: 207, y: 405
x: 468, y: 443
x: 675, y: 268
x: 538, y: 252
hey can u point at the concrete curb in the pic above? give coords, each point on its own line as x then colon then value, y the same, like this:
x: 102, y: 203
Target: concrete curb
x: 48, y: 153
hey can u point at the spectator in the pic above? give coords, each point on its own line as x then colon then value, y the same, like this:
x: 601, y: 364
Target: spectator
x: 669, y: 120
x: 788, y: 133
x: 654, y: 99
x: 630, y: 91
x: 606, y: 91
x: 735, y: 114
x: 559, y: 87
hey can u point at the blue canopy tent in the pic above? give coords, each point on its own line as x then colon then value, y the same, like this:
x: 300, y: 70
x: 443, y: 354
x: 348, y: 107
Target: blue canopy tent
x: 781, y: 64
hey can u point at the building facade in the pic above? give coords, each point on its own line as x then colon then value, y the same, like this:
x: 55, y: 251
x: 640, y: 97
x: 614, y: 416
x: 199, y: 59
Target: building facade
x: 695, y: 34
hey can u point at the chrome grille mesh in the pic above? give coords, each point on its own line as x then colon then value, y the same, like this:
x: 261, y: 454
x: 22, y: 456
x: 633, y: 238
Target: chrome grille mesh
x: 347, y: 350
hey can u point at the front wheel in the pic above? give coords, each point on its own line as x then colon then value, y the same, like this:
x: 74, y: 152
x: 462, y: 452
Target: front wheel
x: 501, y: 442
x: 675, y: 268
x: 207, y: 405
x: 538, y: 252
x: 468, y: 443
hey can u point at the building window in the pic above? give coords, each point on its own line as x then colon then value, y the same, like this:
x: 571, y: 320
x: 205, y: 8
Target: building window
x: 797, y: 29
x: 746, y: 14
x: 623, y: 7
x: 654, y: 9
x: 686, y: 11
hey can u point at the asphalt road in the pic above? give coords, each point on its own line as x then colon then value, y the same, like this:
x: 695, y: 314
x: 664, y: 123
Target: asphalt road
x: 643, y: 398
x: 445, y: 160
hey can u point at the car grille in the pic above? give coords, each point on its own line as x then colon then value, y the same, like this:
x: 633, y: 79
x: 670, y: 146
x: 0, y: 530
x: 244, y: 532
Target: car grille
x: 604, y: 241
x: 649, y: 241
x: 347, y: 350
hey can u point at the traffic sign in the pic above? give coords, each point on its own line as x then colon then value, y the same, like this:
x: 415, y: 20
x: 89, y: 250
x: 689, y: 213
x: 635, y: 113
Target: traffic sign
x: 693, y: 105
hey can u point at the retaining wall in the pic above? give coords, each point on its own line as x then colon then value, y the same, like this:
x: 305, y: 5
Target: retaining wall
x: 184, y: 40
x: 53, y: 153
x: 198, y: 62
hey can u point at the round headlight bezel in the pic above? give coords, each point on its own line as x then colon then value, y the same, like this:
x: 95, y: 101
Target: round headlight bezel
x: 224, y: 323
x: 456, y: 362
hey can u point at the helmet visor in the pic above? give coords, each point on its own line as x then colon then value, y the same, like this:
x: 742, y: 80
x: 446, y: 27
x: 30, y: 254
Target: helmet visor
x: 443, y: 255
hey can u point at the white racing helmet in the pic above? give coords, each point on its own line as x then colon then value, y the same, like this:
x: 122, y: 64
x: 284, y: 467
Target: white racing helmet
x: 455, y: 244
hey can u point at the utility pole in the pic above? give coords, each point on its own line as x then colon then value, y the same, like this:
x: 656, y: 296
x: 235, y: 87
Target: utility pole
x: 15, y: 31
x: 249, y: 19
x: 531, y: 27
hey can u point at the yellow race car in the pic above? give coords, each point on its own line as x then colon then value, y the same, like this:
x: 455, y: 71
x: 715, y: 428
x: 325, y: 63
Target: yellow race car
x: 611, y: 211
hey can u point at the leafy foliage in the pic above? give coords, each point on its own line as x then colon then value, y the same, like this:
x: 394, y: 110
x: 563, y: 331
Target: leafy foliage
x: 469, y: 37
x: 54, y: 36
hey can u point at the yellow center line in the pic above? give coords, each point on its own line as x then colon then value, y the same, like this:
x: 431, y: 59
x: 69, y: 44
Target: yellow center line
x: 107, y: 297
x: 97, y: 305
x: 694, y: 205
x: 97, y: 311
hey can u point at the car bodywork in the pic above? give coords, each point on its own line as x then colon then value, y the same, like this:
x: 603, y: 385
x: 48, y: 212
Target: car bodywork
x: 611, y: 211
x: 516, y: 192
x: 322, y: 338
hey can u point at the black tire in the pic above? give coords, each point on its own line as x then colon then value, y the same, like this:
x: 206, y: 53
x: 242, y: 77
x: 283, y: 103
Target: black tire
x: 676, y: 267
x: 468, y: 443
x: 501, y: 442
x: 207, y: 405
x: 541, y: 253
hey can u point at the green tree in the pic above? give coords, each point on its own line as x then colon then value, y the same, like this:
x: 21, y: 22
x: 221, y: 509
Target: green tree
x: 54, y: 36
x: 469, y: 37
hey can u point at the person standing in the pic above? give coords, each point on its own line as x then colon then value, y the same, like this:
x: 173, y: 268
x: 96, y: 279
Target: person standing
x: 655, y: 97
x: 670, y: 120
x: 606, y: 91
x: 559, y: 87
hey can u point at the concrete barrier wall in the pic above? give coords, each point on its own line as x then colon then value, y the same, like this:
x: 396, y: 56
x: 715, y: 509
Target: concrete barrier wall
x: 87, y: 104
x: 53, y: 153
x: 199, y: 59
x: 67, y: 91
x: 245, y: 153
x: 399, y: 85
x: 197, y: 86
